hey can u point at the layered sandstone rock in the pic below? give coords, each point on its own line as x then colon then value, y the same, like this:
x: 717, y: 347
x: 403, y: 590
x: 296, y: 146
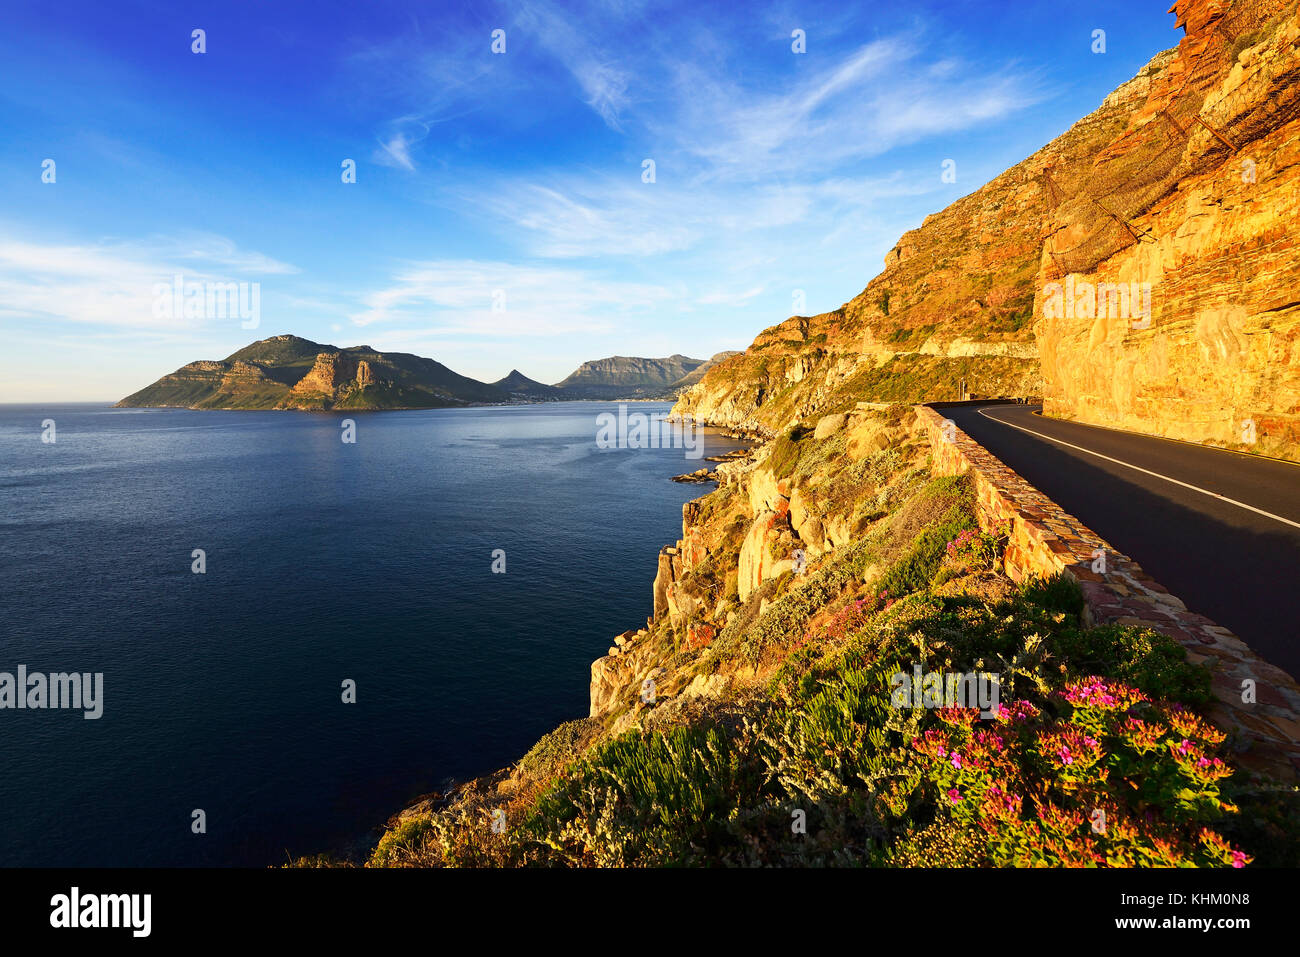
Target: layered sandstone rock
x: 365, y: 375
x: 1211, y: 241
x: 331, y: 371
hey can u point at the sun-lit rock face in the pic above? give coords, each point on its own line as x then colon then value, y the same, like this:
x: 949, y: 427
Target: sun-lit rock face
x: 1210, y: 239
x: 331, y: 371
x: 1139, y: 191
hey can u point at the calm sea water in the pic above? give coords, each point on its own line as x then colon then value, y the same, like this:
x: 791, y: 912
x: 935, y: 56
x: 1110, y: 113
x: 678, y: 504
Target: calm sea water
x: 325, y: 562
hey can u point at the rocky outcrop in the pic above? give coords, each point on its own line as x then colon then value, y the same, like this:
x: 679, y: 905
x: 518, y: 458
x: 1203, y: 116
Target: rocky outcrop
x: 365, y: 375
x: 332, y: 371
x: 764, y: 554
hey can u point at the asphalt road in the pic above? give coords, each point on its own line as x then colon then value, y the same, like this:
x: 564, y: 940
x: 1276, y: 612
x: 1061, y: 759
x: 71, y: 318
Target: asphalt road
x: 1220, y: 530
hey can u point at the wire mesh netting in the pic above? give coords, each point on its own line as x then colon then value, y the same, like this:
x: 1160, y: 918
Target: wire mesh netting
x: 1145, y: 163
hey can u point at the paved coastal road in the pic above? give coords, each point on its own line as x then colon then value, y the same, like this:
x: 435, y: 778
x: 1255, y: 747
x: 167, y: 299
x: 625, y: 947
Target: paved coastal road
x: 1219, y: 529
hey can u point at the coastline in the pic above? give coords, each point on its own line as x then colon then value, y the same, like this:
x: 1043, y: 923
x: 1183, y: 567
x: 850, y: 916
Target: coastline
x: 396, y: 408
x: 432, y: 801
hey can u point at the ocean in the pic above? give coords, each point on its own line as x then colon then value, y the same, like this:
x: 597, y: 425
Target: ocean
x: 323, y: 562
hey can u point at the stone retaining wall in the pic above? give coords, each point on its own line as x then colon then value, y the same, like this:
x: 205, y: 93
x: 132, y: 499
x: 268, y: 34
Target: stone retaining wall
x: 1045, y: 539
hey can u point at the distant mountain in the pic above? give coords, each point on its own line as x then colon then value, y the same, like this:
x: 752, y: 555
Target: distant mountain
x: 289, y: 372
x: 624, y: 377
x: 519, y: 385
x: 696, y: 374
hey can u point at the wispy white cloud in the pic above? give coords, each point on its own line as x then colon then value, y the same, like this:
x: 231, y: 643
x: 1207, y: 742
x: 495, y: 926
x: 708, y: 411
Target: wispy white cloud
x: 731, y: 297
x: 602, y: 79
x: 213, y: 251
x: 395, y: 152
x: 602, y: 215
x: 862, y: 105
x: 738, y: 151
x: 497, y: 299
x: 112, y: 283
x: 425, y: 79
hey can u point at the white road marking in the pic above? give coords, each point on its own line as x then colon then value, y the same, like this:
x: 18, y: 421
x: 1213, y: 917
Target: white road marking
x: 1138, y: 468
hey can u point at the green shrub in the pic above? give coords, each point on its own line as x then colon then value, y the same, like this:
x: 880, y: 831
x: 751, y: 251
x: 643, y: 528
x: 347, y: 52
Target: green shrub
x: 1143, y: 657
x: 1059, y: 592
x: 917, y: 568
x: 558, y: 748
x: 786, y: 451
x: 975, y: 550
x: 402, y: 842
x: 942, y: 843
x: 660, y: 798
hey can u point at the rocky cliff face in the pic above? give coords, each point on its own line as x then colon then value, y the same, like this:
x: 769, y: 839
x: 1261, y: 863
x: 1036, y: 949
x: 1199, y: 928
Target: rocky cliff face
x: 332, y: 371
x: 954, y: 303
x: 775, y: 515
x: 335, y: 378
x: 1184, y: 181
x: 1204, y: 186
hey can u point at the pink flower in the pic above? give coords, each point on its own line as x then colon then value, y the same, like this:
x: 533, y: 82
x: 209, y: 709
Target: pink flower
x: 1094, y: 692
x: 954, y: 795
x: 1016, y: 712
x: 956, y: 760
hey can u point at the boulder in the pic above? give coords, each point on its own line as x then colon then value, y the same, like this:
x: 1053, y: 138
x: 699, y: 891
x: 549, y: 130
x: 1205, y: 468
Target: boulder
x: 828, y: 425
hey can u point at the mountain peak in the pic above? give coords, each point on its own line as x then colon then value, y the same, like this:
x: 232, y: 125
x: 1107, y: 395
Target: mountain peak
x: 516, y: 383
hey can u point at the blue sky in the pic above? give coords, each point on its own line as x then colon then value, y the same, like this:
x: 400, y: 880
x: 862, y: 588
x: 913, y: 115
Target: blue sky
x: 517, y: 175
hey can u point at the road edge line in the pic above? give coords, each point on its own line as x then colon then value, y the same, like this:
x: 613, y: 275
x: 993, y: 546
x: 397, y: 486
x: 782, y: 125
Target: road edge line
x: 1138, y: 468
